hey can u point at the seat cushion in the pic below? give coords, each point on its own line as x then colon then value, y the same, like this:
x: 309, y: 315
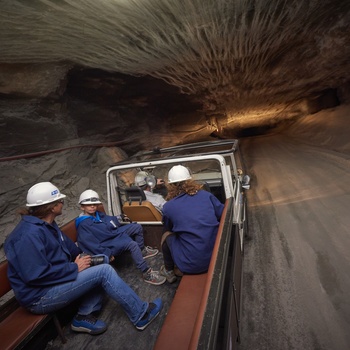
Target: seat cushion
x: 19, y: 325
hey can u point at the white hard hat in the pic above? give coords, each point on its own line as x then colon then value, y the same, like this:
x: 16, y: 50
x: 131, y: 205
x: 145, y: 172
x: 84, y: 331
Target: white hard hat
x: 178, y: 173
x: 43, y: 193
x: 89, y: 197
x: 141, y: 178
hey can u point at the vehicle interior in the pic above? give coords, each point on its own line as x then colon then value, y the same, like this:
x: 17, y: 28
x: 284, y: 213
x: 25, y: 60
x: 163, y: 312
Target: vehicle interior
x: 137, y: 208
x: 205, y: 172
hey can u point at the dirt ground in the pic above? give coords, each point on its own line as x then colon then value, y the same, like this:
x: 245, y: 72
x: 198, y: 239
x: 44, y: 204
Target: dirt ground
x: 296, y: 264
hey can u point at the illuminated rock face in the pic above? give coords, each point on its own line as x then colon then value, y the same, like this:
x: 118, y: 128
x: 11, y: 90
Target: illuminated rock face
x: 246, y: 65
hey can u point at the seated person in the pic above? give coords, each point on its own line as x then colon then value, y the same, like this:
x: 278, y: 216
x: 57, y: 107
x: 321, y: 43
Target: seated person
x: 147, y: 183
x: 99, y: 233
x: 191, y: 218
x: 47, y: 272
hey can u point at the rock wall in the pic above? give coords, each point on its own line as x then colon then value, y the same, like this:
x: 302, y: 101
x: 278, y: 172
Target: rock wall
x: 72, y: 171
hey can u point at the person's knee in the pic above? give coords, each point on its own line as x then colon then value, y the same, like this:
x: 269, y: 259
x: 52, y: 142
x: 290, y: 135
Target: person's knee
x: 134, y: 229
x: 139, y: 229
x: 104, y: 269
x: 133, y: 246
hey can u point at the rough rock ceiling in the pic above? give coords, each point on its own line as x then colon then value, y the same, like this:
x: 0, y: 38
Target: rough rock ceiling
x: 243, y: 63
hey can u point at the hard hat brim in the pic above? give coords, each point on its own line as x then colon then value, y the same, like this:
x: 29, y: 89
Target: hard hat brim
x: 60, y: 196
x: 179, y: 180
x: 92, y: 202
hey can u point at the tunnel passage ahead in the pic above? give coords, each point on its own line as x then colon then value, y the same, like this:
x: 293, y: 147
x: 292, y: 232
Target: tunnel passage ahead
x: 296, y: 279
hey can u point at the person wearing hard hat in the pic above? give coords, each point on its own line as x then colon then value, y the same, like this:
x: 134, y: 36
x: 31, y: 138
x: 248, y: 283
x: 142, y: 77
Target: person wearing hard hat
x: 47, y: 272
x: 147, y: 183
x: 191, y: 219
x: 99, y: 233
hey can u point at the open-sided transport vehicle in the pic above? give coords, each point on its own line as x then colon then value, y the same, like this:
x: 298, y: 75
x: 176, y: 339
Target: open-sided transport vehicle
x: 217, y: 165
x: 200, y: 311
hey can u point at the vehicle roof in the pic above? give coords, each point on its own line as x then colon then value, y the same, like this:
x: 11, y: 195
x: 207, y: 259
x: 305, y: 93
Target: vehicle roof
x: 196, y: 148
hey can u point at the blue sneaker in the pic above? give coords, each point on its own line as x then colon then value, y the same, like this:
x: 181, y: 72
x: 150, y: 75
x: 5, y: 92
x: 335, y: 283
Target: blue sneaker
x: 88, y: 324
x: 152, y: 312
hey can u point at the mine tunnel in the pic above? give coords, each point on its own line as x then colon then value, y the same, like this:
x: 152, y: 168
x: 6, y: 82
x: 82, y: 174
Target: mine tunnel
x: 85, y: 84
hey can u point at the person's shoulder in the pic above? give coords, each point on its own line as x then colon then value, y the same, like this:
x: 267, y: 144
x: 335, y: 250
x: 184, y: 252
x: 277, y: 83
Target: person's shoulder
x: 29, y: 227
x: 29, y: 223
x: 204, y: 193
x: 166, y: 205
x: 31, y: 220
x: 104, y: 215
x: 83, y: 220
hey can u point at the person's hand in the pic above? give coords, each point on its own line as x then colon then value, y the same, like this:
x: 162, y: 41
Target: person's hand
x: 126, y: 218
x: 112, y: 258
x: 160, y: 182
x: 83, y: 262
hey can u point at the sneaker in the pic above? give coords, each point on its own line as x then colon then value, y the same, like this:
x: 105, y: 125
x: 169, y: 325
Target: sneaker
x: 88, y: 324
x: 148, y: 252
x: 151, y: 313
x: 169, y: 275
x: 153, y: 277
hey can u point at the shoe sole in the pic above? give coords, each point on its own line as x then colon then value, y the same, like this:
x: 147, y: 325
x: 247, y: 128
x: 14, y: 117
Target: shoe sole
x: 150, y: 256
x: 156, y: 283
x: 147, y: 324
x: 87, y: 330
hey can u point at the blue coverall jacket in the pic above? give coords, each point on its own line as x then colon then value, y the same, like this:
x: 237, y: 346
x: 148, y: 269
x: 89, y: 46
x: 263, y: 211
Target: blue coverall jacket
x: 98, y: 235
x: 195, y: 221
x: 40, y: 255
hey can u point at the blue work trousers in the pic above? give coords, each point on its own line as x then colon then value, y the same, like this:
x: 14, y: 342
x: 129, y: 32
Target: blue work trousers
x: 130, y: 238
x: 90, y: 285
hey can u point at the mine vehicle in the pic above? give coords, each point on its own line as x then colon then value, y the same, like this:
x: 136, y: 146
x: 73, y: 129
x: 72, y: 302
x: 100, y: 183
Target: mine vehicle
x: 214, y: 322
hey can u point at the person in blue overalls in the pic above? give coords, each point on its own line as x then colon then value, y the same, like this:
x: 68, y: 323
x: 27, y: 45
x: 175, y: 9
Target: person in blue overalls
x: 99, y: 233
x: 47, y: 272
x: 191, y: 218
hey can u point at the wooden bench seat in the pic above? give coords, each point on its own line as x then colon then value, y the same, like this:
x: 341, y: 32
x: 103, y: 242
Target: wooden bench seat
x: 179, y: 324
x: 17, y: 325
x: 70, y: 230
